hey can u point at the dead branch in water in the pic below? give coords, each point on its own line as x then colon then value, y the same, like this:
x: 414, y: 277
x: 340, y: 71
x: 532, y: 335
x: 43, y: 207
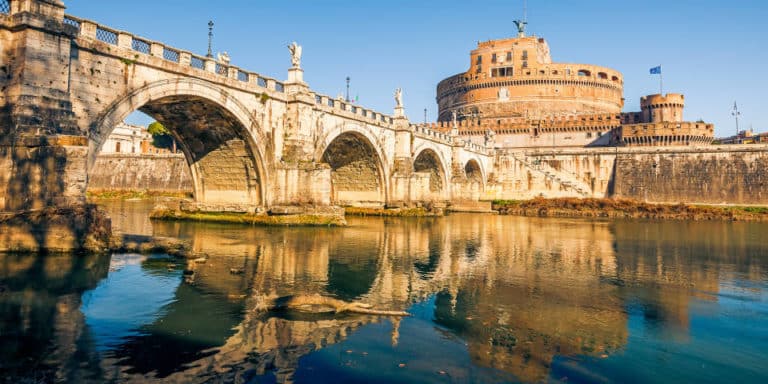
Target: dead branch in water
x: 310, y: 303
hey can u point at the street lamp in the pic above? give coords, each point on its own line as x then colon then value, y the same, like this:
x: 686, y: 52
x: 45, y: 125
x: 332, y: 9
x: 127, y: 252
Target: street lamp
x: 348, y: 100
x: 210, y: 38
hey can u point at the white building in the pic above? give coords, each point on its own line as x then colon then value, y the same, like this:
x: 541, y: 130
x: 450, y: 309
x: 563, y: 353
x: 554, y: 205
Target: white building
x: 126, y: 138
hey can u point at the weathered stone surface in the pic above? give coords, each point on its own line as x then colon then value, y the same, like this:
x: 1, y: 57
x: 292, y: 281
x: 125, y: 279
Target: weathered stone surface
x: 77, y: 228
x: 150, y: 172
x: 708, y: 177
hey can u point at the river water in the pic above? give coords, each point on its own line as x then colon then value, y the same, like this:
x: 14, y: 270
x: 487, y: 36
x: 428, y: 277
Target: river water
x: 493, y: 299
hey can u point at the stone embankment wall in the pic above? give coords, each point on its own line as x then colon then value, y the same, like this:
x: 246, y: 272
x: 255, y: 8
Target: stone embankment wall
x: 563, y: 173
x: 706, y: 175
x: 152, y: 172
x: 716, y: 175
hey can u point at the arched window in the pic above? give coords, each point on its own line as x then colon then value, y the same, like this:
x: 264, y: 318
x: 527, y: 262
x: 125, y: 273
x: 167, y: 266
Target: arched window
x: 584, y: 72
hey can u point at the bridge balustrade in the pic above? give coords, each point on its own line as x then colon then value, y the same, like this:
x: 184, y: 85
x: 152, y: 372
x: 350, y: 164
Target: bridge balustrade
x: 108, y: 36
x: 171, y: 54
x: 197, y: 62
x: 73, y: 22
x: 151, y: 48
x: 89, y: 29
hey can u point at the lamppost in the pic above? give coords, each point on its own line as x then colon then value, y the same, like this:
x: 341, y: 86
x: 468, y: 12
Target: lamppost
x: 735, y: 113
x: 210, y: 38
x: 348, y: 90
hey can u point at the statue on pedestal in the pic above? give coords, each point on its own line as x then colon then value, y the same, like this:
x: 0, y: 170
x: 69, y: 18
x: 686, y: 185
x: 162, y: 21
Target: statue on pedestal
x: 295, y: 50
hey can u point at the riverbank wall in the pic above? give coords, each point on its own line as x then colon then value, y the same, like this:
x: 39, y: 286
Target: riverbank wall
x: 140, y: 172
x: 723, y: 174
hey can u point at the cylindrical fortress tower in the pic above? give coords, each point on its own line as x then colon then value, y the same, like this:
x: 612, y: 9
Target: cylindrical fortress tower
x: 516, y: 78
x: 660, y: 108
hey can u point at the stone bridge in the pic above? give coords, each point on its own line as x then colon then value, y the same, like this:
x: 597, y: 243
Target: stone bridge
x: 252, y: 142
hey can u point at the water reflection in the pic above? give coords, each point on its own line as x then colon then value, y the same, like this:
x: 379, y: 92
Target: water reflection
x: 495, y: 299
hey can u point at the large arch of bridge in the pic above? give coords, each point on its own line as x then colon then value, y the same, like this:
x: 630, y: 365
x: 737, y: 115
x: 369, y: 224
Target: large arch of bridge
x: 220, y: 139
x: 359, y: 171
x: 430, y: 159
x: 473, y: 170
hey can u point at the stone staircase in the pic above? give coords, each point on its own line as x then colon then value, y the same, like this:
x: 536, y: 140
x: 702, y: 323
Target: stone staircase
x: 567, y: 180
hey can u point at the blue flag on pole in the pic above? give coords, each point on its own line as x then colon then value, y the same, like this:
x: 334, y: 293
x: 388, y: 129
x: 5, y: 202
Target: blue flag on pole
x: 656, y: 70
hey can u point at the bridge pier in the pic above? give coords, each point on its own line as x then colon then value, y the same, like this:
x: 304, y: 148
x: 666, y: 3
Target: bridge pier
x: 43, y: 154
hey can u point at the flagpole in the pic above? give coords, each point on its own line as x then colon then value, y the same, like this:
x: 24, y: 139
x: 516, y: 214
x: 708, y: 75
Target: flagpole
x: 661, y: 82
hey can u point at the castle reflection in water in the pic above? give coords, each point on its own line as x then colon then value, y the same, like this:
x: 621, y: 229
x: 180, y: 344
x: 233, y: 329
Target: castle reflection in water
x: 521, y: 293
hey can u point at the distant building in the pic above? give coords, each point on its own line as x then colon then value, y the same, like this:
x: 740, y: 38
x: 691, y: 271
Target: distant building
x: 514, y: 95
x: 745, y: 137
x: 126, y: 138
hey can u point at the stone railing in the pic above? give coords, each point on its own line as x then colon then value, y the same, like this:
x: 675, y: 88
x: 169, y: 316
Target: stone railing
x: 424, y: 131
x: 477, y: 148
x: 338, y: 106
x: 90, y: 30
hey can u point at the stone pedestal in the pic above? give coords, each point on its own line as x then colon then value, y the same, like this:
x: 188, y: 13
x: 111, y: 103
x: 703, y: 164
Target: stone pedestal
x: 399, y: 112
x: 296, y: 75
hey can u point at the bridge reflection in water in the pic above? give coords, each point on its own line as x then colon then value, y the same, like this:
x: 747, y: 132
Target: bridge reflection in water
x: 494, y: 299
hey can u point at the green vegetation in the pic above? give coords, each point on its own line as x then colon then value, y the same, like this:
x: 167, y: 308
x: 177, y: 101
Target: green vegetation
x: 132, y: 194
x: 626, y: 208
x: 396, y: 212
x: 249, y: 218
x: 161, y: 137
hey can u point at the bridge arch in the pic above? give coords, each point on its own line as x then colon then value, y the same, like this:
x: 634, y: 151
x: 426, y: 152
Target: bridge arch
x: 430, y: 160
x: 219, y: 137
x: 473, y: 170
x: 359, y: 171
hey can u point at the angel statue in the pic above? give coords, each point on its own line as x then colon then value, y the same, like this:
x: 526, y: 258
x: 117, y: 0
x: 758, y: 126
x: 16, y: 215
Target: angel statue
x: 223, y: 57
x: 399, y: 98
x: 295, y: 50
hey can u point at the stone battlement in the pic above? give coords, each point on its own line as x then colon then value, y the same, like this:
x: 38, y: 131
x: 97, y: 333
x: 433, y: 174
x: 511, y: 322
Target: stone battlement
x: 666, y: 134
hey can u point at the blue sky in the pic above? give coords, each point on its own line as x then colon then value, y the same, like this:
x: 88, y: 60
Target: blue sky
x: 713, y: 51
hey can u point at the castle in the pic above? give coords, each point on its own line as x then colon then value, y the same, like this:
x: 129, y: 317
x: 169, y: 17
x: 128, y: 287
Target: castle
x: 514, y: 96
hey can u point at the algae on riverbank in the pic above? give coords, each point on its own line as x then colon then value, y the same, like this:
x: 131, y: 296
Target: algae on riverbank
x: 393, y: 212
x: 163, y: 213
x: 626, y: 208
x: 122, y: 194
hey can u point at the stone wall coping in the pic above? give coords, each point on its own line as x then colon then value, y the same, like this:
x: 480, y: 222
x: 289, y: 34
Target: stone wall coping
x: 747, y: 148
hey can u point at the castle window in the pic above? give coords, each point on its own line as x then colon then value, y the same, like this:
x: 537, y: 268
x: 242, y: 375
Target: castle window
x: 602, y: 75
x: 525, y: 55
x: 554, y: 72
x: 568, y: 71
x: 501, y: 72
x: 509, y: 56
x: 615, y: 78
x: 525, y: 64
x: 584, y: 73
x: 493, y: 58
x: 479, y: 60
